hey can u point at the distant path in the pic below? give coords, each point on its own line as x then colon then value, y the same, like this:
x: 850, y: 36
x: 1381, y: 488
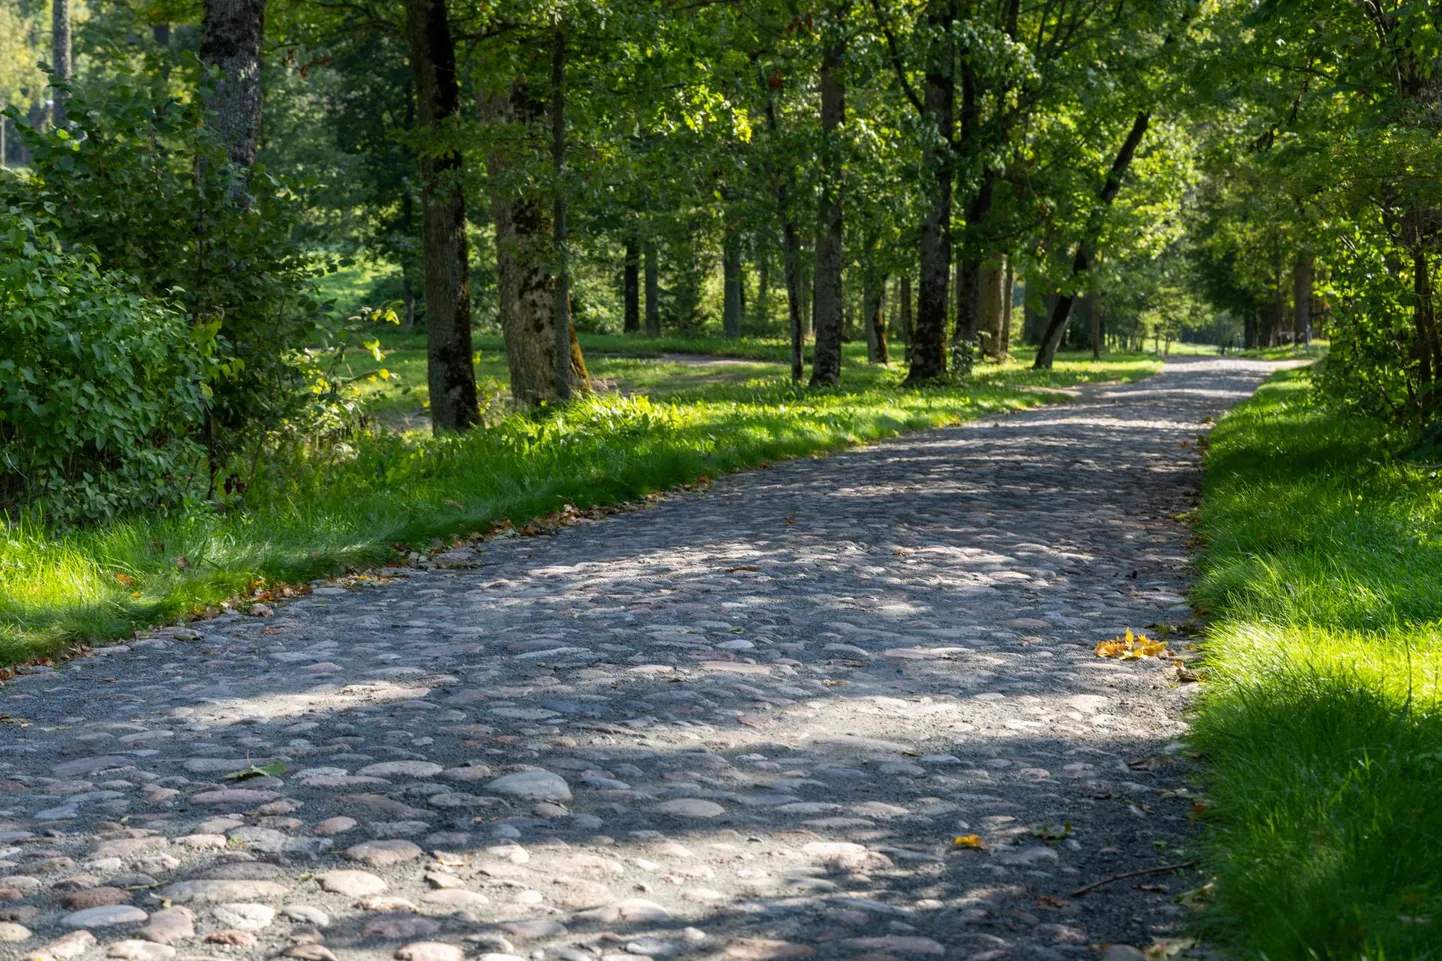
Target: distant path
x: 754, y: 720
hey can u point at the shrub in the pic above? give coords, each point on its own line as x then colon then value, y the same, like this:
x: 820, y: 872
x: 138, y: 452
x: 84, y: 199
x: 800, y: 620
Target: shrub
x: 101, y: 389
x: 141, y: 178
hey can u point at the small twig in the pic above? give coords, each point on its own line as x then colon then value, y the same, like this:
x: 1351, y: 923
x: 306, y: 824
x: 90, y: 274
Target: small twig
x: 1159, y: 869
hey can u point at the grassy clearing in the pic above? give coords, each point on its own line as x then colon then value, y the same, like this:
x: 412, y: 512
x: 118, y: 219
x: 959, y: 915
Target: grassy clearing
x: 1322, y: 728
x: 316, y: 513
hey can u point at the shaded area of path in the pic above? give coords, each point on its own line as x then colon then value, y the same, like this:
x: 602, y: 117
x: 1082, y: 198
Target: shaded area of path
x: 743, y: 724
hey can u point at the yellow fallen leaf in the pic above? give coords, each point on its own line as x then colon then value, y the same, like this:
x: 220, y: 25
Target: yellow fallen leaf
x: 972, y: 842
x: 1130, y: 647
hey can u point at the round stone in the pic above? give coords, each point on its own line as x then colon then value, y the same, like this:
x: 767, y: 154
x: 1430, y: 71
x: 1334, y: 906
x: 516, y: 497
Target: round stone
x: 105, y: 916
x: 429, y: 951
x: 10, y: 931
x: 690, y: 807
x: 244, y: 916
x: 132, y: 950
x: 380, y: 854
x: 532, y: 786
x: 355, y: 884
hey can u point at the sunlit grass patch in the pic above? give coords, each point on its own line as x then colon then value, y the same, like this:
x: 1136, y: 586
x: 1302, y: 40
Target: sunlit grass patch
x: 1321, y: 727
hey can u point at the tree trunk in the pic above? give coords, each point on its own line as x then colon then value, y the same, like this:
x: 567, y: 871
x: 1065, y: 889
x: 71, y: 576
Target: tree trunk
x: 790, y: 250
x: 993, y: 274
x: 826, y: 356
x: 567, y: 349
x: 160, y: 33
x: 1249, y: 330
x: 231, y: 32
x: 60, y: 57
x: 525, y: 255
x: 452, y: 379
x: 928, y: 352
x: 1094, y: 313
x: 1008, y: 294
x: 874, y: 316
x: 1426, y: 344
x: 653, y: 290
x: 1056, y: 327
x: 1302, y: 300
x: 631, y: 285
x: 906, y: 319
x: 762, y: 322
x: 731, y: 279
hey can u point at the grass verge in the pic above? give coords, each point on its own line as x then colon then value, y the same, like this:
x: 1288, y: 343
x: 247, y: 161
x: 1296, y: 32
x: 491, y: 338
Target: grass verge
x: 1321, y: 727
x: 315, y: 513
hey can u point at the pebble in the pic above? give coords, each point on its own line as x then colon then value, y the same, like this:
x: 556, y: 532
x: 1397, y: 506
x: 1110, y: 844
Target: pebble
x: 132, y: 950
x: 223, y: 890
x: 104, y: 916
x: 333, y: 826
x: 169, y: 925
x: 690, y: 808
x: 399, y: 925
x: 429, y: 951
x: 381, y: 854
x: 532, y: 786
x: 71, y: 945
x: 244, y: 917
x: 9, y: 931
x: 355, y: 884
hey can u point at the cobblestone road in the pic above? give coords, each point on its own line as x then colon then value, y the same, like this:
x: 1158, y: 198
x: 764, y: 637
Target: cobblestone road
x: 742, y: 724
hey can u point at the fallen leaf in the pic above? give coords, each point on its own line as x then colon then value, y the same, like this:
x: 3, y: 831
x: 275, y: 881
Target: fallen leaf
x: 968, y: 842
x: 125, y: 579
x: 274, y: 769
x: 1161, y: 950
x: 1131, y: 647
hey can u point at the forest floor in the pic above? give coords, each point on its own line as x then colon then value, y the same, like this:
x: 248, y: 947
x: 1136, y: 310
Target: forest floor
x: 843, y: 708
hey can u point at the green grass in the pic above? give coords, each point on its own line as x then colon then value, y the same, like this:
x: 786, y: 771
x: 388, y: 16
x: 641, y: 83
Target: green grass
x: 1321, y: 728
x: 318, y: 512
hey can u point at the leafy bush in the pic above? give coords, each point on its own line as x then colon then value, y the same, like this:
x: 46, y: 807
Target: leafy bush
x: 101, y: 389
x: 141, y: 179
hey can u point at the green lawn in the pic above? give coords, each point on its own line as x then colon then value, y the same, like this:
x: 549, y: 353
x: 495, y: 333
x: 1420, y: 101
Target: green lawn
x: 1321, y: 728
x: 319, y: 511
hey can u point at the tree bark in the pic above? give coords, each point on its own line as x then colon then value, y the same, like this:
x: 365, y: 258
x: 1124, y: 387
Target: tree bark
x: 631, y: 284
x: 827, y: 295
x: 59, y: 58
x: 1249, y: 330
x: 874, y: 316
x: 790, y: 250
x: 565, y: 343
x: 230, y: 40
x: 1081, y: 263
x: 1094, y: 314
x: 928, y: 352
x: 1426, y: 343
x: 906, y: 316
x: 1008, y: 294
x: 731, y: 278
x: 653, y: 290
x: 993, y: 274
x: 1302, y: 300
x: 449, y: 373
x: 762, y: 323
x: 525, y: 255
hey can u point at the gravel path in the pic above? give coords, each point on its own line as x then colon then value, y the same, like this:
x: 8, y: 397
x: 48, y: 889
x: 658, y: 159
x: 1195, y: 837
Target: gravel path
x: 744, y: 724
